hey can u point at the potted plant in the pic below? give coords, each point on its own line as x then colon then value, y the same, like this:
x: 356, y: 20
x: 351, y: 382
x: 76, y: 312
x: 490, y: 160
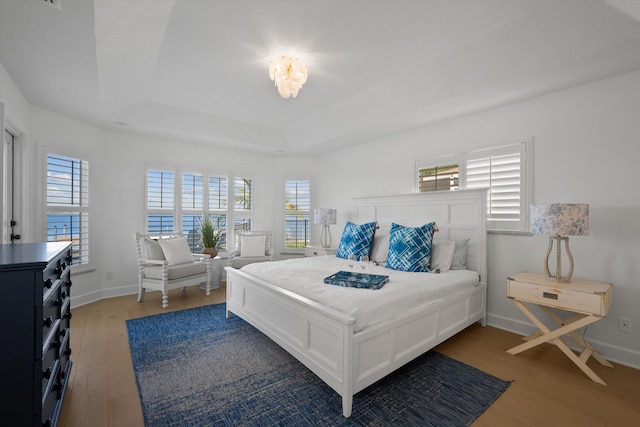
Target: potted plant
x: 210, y: 237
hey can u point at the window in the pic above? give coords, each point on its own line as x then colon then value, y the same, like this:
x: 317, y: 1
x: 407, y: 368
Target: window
x: 438, y: 178
x: 218, y: 205
x: 242, y: 203
x: 502, y: 170
x: 297, y: 209
x: 68, y: 204
x: 168, y: 210
x: 160, y: 201
x: 192, y: 204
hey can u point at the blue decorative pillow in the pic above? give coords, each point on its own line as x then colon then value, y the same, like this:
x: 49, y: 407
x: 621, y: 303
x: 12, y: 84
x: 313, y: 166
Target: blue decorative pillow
x: 356, y: 239
x: 410, y: 248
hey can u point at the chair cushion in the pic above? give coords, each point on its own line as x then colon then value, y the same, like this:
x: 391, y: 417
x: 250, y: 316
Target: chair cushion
x: 176, y: 251
x: 152, y: 249
x: 253, y: 246
x: 175, y: 271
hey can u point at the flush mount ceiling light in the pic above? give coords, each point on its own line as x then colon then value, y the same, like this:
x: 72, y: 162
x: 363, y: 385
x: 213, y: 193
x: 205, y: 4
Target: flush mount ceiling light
x: 289, y: 74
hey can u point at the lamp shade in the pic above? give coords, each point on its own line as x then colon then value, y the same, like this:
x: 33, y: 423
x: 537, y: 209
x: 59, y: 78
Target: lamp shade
x: 560, y: 219
x: 324, y: 216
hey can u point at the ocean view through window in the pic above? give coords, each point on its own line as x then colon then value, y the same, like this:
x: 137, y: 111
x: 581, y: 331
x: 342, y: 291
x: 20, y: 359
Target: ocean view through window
x: 297, y: 212
x: 177, y: 200
x: 67, y: 204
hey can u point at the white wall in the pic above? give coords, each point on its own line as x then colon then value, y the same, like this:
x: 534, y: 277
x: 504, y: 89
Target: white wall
x: 585, y: 150
x: 117, y: 173
x: 124, y: 160
x: 68, y: 137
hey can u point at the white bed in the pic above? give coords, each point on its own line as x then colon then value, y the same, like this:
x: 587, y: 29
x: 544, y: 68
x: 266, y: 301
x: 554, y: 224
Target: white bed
x: 348, y: 347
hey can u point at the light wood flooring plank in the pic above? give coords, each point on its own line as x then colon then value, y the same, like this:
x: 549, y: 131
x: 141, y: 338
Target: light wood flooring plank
x: 547, y: 389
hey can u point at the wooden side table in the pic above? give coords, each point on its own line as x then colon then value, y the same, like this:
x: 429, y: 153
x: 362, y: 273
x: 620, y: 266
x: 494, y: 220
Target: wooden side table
x: 590, y: 301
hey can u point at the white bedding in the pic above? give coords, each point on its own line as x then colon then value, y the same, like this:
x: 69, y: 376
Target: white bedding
x: 403, y: 293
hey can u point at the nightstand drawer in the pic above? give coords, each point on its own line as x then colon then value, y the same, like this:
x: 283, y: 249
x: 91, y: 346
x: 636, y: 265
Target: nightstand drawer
x: 319, y: 251
x: 567, y: 296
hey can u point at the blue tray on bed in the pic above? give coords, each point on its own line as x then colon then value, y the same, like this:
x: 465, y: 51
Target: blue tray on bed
x: 356, y: 280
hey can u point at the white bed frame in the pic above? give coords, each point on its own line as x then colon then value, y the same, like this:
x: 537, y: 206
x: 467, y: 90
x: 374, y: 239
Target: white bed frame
x: 324, y: 339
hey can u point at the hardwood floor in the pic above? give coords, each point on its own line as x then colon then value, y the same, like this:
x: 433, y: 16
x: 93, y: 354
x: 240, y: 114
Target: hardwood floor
x: 547, y: 389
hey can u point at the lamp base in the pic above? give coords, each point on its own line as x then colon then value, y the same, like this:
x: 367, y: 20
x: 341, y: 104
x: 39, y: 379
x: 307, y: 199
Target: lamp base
x: 558, y: 278
x: 325, y: 236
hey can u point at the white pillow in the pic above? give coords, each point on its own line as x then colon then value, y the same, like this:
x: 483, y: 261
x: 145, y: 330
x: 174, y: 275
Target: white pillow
x: 380, y: 248
x: 442, y: 255
x: 153, y: 249
x: 252, y: 246
x: 176, y: 251
x: 460, y: 255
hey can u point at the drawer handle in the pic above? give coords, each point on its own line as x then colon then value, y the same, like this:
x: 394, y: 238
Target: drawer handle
x: 67, y: 352
x: 47, y: 423
x: 47, y: 374
x: 48, y: 283
x: 67, y: 315
x: 63, y: 333
x: 63, y: 266
x: 48, y: 322
x: 550, y: 295
x: 69, y: 283
x: 57, y: 271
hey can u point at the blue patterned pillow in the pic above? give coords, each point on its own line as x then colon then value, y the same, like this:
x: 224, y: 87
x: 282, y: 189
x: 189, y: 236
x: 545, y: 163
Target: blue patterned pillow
x: 356, y: 239
x: 410, y: 248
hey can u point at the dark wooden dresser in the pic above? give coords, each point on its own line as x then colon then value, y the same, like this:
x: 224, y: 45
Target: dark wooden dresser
x: 35, y: 313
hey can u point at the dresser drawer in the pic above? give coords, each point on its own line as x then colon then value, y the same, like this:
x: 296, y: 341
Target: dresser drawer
x: 49, y: 360
x: 559, y: 296
x: 50, y: 397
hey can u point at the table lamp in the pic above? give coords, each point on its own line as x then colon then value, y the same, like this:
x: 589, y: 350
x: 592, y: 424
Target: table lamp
x: 325, y: 217
x: 558, y: 221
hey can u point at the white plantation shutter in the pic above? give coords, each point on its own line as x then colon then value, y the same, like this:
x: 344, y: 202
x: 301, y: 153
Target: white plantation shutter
x: 297, y: 213
x: 160, y: 205
x: 501, y: 170
x: 67, y: 204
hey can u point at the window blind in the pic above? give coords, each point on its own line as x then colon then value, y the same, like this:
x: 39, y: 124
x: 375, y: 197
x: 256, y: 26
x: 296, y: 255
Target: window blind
x: 68, y: 204
x: 500, y: 171
x: 297, y: 212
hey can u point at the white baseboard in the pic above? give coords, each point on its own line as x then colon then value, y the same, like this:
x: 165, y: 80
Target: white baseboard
x: 83, y: 299
x: 623, y: 356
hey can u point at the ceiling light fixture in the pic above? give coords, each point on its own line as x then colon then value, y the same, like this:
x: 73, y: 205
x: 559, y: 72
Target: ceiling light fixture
x: 289, y: 74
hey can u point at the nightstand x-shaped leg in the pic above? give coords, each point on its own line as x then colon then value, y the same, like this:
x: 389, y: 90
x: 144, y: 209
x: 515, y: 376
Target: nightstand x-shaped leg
x: 566, y: 327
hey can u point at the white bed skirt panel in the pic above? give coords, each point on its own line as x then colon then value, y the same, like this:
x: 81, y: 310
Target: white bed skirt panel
x: 324, y: 340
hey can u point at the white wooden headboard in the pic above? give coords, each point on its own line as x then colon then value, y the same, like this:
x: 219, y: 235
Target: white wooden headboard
x: 459, y: 215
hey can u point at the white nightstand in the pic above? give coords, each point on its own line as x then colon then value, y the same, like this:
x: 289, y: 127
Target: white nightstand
x: 589, y: 300
x: 319, y: 251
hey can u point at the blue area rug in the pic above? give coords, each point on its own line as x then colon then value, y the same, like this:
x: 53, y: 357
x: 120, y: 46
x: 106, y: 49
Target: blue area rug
x: 196, y: 368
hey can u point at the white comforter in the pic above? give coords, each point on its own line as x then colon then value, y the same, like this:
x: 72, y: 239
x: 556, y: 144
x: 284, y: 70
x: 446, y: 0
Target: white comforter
x: 403, y: 293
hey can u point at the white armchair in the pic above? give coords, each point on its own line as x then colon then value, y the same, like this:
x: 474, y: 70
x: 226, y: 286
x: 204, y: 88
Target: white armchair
x: 250, y: 247
x: 165, y: 262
